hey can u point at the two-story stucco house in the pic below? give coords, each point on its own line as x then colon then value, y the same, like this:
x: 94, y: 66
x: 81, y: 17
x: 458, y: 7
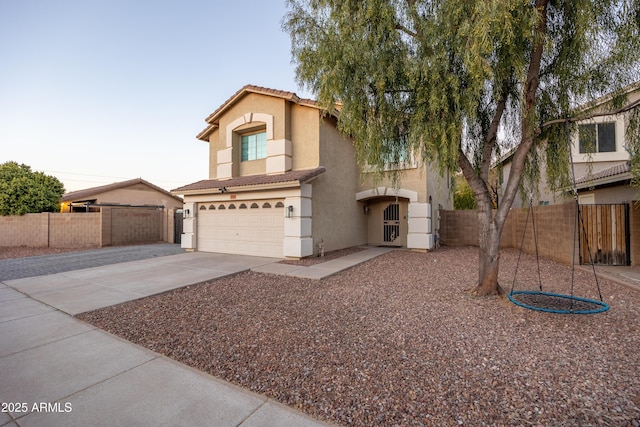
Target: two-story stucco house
x: 283, y: 182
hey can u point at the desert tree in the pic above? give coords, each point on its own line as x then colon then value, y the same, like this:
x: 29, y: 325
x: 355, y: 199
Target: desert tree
x: 24, y: 191
x: 460, y: 82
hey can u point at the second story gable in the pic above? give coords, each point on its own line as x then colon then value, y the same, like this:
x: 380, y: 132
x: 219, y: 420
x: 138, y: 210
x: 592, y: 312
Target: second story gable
x: 263, y: 131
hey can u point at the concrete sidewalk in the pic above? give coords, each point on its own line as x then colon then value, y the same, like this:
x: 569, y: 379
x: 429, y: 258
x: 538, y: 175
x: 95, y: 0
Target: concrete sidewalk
x: 58, y: 371
x: 324, y: 269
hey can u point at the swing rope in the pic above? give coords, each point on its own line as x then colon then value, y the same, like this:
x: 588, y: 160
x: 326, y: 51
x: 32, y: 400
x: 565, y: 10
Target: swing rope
x: 530, y: 211
x: 547, y: 301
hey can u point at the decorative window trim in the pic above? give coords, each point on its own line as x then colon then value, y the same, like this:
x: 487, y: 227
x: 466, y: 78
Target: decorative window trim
x: 267, y: 119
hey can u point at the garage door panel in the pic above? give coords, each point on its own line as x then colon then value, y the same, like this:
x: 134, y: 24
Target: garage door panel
x: 251, y: 232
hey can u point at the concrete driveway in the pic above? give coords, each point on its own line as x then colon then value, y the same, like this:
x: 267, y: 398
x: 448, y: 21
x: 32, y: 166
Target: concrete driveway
x: 88, y: 289
x: 58, y: 371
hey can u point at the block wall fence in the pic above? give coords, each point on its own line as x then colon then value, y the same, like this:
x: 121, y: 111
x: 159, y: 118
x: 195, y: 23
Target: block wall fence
x: 554, y: 225
x: 111, y: 226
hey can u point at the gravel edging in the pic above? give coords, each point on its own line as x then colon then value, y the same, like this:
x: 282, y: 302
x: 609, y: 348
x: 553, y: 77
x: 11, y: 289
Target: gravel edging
x: 397, y: 341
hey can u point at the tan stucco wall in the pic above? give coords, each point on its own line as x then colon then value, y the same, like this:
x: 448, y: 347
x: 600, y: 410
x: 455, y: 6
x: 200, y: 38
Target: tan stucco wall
x: 214, y: 146
x: 338, y: 219
x: 305, y: 128
x: 612, y: 195
x: 292, y: 122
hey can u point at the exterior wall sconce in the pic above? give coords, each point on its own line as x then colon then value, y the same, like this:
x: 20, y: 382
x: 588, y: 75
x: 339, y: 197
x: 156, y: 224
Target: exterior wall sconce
x: 288, y: 211
x: 366, y: 209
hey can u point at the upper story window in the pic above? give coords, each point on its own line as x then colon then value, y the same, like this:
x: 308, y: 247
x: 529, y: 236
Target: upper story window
x: 254, y: 146
x: 597, y: 138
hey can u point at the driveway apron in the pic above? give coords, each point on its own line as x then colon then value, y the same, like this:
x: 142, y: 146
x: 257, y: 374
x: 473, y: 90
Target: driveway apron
x: 58, y: 371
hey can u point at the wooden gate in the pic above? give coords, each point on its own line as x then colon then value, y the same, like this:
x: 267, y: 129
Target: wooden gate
x: 604, y: 234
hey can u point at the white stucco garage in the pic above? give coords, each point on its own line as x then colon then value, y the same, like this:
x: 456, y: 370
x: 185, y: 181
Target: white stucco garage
x: 247, y: 227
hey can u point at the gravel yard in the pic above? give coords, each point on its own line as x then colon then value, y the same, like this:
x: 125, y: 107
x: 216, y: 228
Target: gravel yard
x: 397, y: 341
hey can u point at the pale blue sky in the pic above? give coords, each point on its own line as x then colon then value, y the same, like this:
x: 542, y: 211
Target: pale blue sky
x: 99, y: 91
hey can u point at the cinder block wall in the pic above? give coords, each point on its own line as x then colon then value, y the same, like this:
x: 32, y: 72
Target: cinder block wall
x: 74, y: 230
x: 136, y: 226
x: 554, y: 226
x: 25, y: 230
x: 111, y: 226
x: 459, y: 228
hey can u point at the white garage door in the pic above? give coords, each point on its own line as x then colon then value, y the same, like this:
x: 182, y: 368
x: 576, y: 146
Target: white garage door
x: 247, y: 228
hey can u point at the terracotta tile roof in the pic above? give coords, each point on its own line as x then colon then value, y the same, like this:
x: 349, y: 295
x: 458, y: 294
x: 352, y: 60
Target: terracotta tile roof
x: 617, y: 169
x: 212, y: 120
x: 243, y: 181
x: 89, y: 193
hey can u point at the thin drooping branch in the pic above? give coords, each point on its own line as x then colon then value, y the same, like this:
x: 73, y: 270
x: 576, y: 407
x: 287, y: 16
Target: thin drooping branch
x: 621, y: 110
x: 406, y: 30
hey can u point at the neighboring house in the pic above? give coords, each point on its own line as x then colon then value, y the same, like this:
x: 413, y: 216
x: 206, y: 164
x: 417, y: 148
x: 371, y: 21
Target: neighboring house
x: 599, y: 156
x: 132, y: 193
x: 283, y: 182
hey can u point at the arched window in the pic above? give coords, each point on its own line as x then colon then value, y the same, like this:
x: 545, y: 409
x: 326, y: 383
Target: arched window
x: 279, y: 205
x: 221, y: 207
x: 203, y: 208
x: 212, y: 208
x: 242, y: 206
x: 266, y: 205
x: 232, y: 206
x: 254, y: 206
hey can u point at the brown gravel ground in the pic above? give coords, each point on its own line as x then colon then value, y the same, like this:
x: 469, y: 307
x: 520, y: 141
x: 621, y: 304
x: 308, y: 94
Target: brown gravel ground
x: 397, y: 341
x: 306, y: 262
x: 10, y: 252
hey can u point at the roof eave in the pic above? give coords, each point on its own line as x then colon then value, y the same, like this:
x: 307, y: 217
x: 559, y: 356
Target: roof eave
x: 604, y: 181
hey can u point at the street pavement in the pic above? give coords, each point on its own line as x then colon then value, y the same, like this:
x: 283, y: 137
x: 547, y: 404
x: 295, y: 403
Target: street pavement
x: 49, y: 264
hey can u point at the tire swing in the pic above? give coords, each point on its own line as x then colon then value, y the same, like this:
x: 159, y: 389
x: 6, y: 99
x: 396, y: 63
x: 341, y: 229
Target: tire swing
x: 549, y: 302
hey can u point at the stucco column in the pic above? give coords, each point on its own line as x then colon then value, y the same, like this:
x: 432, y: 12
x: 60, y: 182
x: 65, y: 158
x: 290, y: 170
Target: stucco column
x: 420, y: 236
x: 298, y: 242
x: 189, y: 227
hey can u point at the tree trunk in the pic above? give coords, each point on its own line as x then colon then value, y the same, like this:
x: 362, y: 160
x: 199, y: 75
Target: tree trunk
x: 488, y: 253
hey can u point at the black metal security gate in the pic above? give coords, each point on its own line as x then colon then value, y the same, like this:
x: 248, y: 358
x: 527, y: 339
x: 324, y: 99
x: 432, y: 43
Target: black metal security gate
x: 391, y: 223
x: 604, y: 234
x: 177, y: 226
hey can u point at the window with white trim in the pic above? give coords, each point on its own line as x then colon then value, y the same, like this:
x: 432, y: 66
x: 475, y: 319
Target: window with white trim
x: 597, y: 138
x: 254, y: 146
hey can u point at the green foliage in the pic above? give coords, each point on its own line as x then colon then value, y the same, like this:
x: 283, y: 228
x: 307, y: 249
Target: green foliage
x: 24, y: 191
x: 458, y: 83
x: 463, y: 197
x: 428, y: 77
